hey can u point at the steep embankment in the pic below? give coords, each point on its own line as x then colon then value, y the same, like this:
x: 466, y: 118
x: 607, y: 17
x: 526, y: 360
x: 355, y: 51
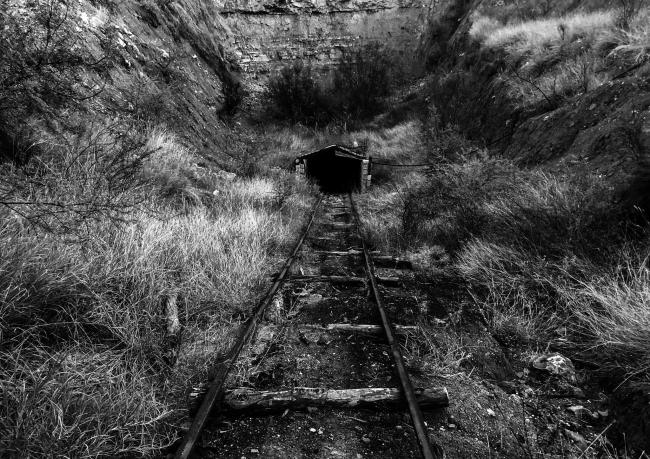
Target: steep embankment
x: 156, y: 62
x: 559, y: 91
x: 548, y: 227
x: 126, y: 260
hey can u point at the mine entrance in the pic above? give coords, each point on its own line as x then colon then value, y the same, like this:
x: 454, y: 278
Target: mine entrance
x: 335, y: 169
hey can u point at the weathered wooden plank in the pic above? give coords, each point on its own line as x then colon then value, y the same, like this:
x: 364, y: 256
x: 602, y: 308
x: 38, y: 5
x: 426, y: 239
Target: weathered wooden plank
x: 365, y: 328
x: 347, y: 279
x: 359, y: 328
x: 247, y: 400
x: 339, y: 252
x: 338, y: 279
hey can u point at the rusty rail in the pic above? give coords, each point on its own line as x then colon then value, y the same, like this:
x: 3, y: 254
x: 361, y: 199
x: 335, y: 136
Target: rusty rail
x: 428, y: 451
x: 216, y: 390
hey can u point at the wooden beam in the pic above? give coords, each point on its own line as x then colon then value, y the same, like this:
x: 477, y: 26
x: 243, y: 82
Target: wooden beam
x: 337, y: 279
x: 339, y: 252
x: 358, y: 328
x: 347, y: 279
x: 299, y: 398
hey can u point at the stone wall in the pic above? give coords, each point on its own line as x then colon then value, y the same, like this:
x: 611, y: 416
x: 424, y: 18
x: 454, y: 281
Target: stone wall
x: 266, y: 35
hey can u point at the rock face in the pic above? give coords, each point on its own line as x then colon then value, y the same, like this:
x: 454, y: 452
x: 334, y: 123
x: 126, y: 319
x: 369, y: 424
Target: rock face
x: 268, y: 34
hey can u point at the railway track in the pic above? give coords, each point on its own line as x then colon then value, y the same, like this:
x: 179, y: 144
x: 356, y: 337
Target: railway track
x: 317, y: 370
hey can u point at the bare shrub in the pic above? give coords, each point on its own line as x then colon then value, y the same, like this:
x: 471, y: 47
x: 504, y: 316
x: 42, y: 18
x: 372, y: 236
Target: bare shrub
x: 296, y: 94
x: 39, y: 65
x: 362, y: 79
x: 456, y: 194
x: 66, y: 188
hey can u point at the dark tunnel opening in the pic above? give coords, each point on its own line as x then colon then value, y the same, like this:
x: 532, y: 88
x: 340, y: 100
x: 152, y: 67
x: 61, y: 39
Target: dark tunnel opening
x: 335, y: 174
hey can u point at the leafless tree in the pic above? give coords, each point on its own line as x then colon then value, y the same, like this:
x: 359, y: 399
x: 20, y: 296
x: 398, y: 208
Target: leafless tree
x: 94, y: 178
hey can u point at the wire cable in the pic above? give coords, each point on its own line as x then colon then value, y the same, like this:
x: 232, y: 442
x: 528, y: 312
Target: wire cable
x: 376, y: 163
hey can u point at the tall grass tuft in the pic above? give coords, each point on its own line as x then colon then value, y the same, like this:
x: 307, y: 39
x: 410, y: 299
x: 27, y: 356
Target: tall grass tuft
x: 610, y: 319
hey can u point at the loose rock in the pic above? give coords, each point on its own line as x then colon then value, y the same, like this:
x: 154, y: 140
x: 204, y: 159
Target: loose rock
x: 555, y: 364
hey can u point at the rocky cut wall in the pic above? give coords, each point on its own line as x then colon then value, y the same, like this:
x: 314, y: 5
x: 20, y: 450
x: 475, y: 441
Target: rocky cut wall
x: 265, y: 35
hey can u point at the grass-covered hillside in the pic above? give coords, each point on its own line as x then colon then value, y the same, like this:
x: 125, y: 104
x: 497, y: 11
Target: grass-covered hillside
x: 537, y: 203
x: 136, y: 231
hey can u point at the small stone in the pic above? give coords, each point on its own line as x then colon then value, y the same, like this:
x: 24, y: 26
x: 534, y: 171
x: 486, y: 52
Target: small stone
x: 255, y: 451
x: 575, y: 436
x: 399, y: 427
x: 320, y: 431
x: 365, y: 439
x: 451, y: 426
x: 312, y: 430
x: 491, y: 412
x: 576, y: 409
x: 603, y: 413
x: 578, y: 393
x: 555, y: 364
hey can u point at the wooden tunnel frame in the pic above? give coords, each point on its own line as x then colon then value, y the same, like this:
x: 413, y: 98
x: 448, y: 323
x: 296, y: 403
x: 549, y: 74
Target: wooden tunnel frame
x: 336, y: 169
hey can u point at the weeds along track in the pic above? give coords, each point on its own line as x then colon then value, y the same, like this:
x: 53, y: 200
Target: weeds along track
x: 317, y: 370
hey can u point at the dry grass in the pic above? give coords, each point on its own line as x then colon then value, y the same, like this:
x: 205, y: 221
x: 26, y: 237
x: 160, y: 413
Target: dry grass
x: 538, y: 250
x: 555, y: 58
x: 631, y: 46
x: 401, y: 143
x: 80, y: 402
x: 541, y: 253
x: 87, y: 368
x: 611, y: 321
x: 534, y: 36
x: 382, y: 205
